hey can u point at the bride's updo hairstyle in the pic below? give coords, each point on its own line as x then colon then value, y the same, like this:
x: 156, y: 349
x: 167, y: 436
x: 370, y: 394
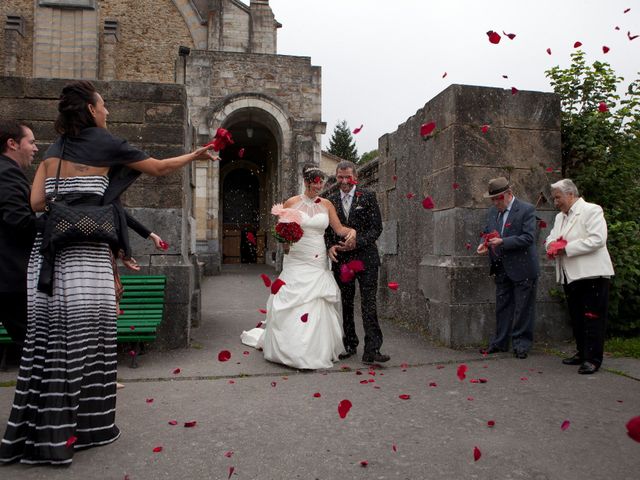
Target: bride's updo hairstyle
x: 73, y: 108
x: 311, y: 172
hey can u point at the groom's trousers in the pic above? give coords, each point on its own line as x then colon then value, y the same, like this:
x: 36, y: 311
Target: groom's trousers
x: 368, y: 282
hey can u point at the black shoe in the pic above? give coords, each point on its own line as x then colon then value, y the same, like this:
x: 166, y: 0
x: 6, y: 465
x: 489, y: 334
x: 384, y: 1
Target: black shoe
x: 521, y: 355
x: 587, y: 368
x: 349, y: 353
x: 375, y: 357
x: 490, y: 350
x: 575, y: 360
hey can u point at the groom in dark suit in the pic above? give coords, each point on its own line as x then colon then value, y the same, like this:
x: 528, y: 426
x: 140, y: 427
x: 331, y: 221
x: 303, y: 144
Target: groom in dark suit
x: 357, y: 208
x: 514, y: 263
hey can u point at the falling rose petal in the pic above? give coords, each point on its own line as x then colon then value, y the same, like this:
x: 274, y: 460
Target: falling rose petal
x: 404, y: 396
x: 410, y: 195
x: 132, y: 353
x: 164, y: 245
x: 357, y: 130
x: 394, y: 178
x: 577, y: 45
x: 549, y: 51
x: 393, y: 285
x: 231, y: 470
x: 149, y: 400
x: 510, y: 35
x: 514, y: 91
x: 484, y: 128
x: 591, y: 315
x: 632, y: 37
x: 251, y: 238
x: 262, y: 310
x: 304, y: 318
x: 172, y: 422
x: 317, y: 395
x: 633, y: 428
x: 394, y: 447
x: 507, y: 225
x: 228, y: 454
x: 356, y: 265
x: 542, y: 224
x: 364, y: 463
x: 467, y: 246
x: 265, y: 279
x: 602, y: 107
x: 470, y: 399
x: 427, y: 128
x: 433, y: 384
x: 232, y: 382
x: 524, y: 379
x: 626, y: 10
x: 549, y: 169
x: 132, y: 328
x: 444, y: 74
x: 462, y: 372
x: 317, y: 200
x: 505, y: 76
x: 224, y: 355
x: 491, y: 423
x: 273, y: 384
x: 352, y: 181
x: 346, y: 274
x: 343, y: 408
x: 427, y: 203
x: 157, y: 449
x: 176, y: 371
x: 241, y: 153
x: 617, y: 28
x: 565, y: 425
x: 277, y: 284
x: 71, y: 440
x: 605, y: 49
x: 455, y: 186
x: 120, y: 312
x: 494, y: 37
x: 476, y: 454
x: 190, y: 424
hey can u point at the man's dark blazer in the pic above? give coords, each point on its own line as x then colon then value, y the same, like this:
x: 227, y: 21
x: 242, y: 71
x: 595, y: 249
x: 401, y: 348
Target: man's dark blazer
x: 365, y: 218
x: 17, y: 226
x: 518, y: 253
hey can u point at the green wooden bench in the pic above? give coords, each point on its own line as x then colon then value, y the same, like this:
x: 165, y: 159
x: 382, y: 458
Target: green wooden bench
x: 5, y: 340
x: 142, y: 308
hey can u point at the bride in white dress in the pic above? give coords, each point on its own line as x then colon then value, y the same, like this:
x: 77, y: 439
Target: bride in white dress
x: 303, y: 328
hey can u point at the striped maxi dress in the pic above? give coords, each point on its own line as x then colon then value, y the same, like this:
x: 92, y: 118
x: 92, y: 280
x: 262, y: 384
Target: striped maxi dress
x: 65, y: 395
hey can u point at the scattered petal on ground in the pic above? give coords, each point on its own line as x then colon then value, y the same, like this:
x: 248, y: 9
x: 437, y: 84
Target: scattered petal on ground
x: 491, y: 423
x: 394, y: 447
x: 484, y: 128
x: 462, y: 372
x: 224, y: 355
x: 510, y: 35
x: 632, y: 37
x: 149, y: 400
x: 476, y: 454
x: 173, y: 422
x: 231, y: 470
x: 433, y: 384
x: 190, y: 424
x: 343, y: 408
x: 514, y: 90
x: 549, y: 51
x: 404, y: 396
x: 565, y: 425
x: 262, y: 310
x: 273, y: 384
x: 228, y: 454
x: 410, y: 195
x: 363, y: 463
x: 317, y: 395
x: 633, y: 428
x: 157, y: 449
x: 605, y: 49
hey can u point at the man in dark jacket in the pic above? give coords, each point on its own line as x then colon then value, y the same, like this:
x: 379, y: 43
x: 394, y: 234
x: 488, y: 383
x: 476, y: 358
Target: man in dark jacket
x: 510, y: 242
x: 357, y: 208
x: 17, y: 225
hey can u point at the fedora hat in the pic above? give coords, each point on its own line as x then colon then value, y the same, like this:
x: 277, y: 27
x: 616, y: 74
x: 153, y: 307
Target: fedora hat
x: 497, y: 186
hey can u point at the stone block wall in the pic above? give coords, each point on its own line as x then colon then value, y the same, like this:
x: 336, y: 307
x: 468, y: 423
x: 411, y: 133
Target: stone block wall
x: 24, y: 62
x: 152, y: 117
x: 444, y: 285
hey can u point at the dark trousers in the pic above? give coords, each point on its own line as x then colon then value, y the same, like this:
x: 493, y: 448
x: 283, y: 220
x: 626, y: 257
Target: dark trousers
x: 368, y: 282
x: 13, y: 315
x: 515, y: 312
x: 588, y: 302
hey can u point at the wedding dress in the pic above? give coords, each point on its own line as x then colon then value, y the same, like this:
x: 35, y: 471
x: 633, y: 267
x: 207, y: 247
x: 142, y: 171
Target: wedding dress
x: 303, y: 327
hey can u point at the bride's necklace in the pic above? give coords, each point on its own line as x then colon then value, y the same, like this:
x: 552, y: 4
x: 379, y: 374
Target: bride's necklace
x: 308, y: 200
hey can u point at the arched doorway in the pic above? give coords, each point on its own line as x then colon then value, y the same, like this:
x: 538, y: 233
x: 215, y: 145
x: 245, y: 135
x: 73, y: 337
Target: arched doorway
x: 240, y: 216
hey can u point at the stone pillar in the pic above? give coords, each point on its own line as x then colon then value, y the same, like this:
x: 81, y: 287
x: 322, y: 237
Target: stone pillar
x: 13, y: 40
x: 110, y: 38
x: 263, y: 28
x: 444, y: 285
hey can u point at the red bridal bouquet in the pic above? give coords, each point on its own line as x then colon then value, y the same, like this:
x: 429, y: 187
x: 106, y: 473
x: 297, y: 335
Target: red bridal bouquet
x: 221, y: 140
x: 288, y: 229
x: 555, y: 246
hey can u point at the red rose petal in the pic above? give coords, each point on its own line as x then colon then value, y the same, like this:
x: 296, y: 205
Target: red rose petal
x: 494, y: 37
x: 245, y: 353
x: 404, y: 396
x: 455, y: 186
x: 433, y: 384
x: 231, y: 470
x: 164, y: 245
x: 273, y: 384
x: 439, y: 367
x: 444, y: 74
x: 120, y: 312
x: 304, y: 318
x: 633, y: 428
x: 343, y: 408
x: 462, y: 372
x: 474, y: 380
x: 491, y: 423
x: 251, y: 238
x: 132, y: 328
x: 394, y: 448
x: 427, y: 128
x: 346, y: 274
x: 484, y: 128
x: 317, y: 395
x: 470, y: 399
x: 358, y: 372
x: 427, y: 203
x: 149, y: 400
x: 259, y: 324
x: 577, y: 45
x: 157, y: 449
x: 317, y: 200
x: 632, y: 37
x: 617, y: 28
x: 394, y: 178
x: 565, y: 425
x: 410, y: 195
x: 467, y: 246
x: 626, y: 10
x: 505, y: 76
x: 241, y: 153
x: 277, y: 284
x: 176, y: 371
x: 224, y: 355
x: 363, y: 382
x: 393, y: 285
x: 173, y: 422
x: 232, y: 382
x: 483, y: 380
x: 404, y: 366
x: 548, y: 169
x: 510, y: 35
x: 262, y: 310
x: 132, y: 353
x: 591, y: 315
x: 542, y: 224
x: 358, y: 193
x: 71, y: 440
x: 228, y: 454
x: 605, y: 49
x: 190, y: 424
x: 514, y: 90
x: 357, y: 130
x: 364, y: 463
x: 476, y: 454
x: 524, y: 379
x: 602, y: 107
x: 549, y: 51
x: 352, y: 181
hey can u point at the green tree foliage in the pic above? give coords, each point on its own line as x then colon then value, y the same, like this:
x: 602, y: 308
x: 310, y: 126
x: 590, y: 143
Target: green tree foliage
x: 341, y: 143
x: 368, y: 156
x: 601, y: 153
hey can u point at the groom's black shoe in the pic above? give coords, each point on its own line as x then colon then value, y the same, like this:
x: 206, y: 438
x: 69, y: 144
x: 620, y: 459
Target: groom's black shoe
x: 349, y: 353
x: 575, y: 360
x: 374, y: 357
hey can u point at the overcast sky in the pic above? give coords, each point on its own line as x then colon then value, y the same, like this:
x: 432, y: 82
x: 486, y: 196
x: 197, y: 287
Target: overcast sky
x: 384, y: 59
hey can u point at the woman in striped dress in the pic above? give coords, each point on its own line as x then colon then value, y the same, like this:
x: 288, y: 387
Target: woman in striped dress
x: 65, y: 396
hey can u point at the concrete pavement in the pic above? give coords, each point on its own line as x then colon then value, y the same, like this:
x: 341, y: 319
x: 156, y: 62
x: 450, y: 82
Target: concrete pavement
x: 268, y: 422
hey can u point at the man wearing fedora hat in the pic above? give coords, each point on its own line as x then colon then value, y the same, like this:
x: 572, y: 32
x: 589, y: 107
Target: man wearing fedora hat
x: 514, y: 264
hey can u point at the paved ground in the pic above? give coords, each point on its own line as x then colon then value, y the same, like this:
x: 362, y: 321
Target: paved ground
x: 268, y: 417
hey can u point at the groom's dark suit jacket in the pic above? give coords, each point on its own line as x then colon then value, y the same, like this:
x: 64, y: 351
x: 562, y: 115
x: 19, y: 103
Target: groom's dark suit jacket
x: 365, y: 218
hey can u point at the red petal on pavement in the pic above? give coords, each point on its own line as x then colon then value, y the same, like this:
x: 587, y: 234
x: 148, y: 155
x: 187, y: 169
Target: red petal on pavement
x: 404, y: 366
x: 549, y: 51
x: 224, y: 355
x: 491, y: 423
x: 474, y: 380
x: 363, y: 382
x: 524, y: 379
x: 631, y: 37
x: 433, y: 384
x: 633, y: 428
x: 591, y: 315
x: 357, y: 130
x: 231, y: 470
x: 364, y: 463
x: 427, y: 203
x: 476, y: 454
x: 273, y: 384
x: 277, y: 284
x: 228, y: 454
x: 494, y: 37
x: 602, y: 107
x: 514, y: 90
x: 626, y: 10
x: 343, y: 408
x: 71, y: 440
x: 262, y: 310
x: 265, y: 279
x: 439, y: 367
x: 190, y: 424
x: 510, y: 35
x: 173, y: 422
x: 455, y: 186
x: 444, y: 74
x: 245, y: 353
x: 241, y: 153
x: 470, y: 399
x: 164, y: 245
x: 358, y: 372
x: 149, y: 400
x: 427, y: 128
x: 462, y: 372
x: 157, y: 449
x: 483, y: 380
x: 565, y: 425
x: 577, y: 45
x: 393, y: 285
x: 304, y: 318
x: 232, y: 382
x: 317, y: 395
x: 484, y: 128
x: 404, y: 396
x: 410, y: 195
x: 259, y: 324
x: 394, y: 448
x: 317, y: 200
x: 605, y: 49
x: 542, y: 224
x: 176, y: 371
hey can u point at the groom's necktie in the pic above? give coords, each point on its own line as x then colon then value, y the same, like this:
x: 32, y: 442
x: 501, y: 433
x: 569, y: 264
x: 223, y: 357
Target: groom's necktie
x: 346, y: 205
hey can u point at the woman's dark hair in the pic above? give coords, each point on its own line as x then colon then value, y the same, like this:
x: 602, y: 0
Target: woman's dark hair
x: 311, y: 172
x: 11, y: 129
x: 73, y: 107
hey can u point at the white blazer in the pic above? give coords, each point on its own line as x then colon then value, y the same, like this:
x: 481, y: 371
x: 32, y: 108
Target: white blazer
x: 586, y: 235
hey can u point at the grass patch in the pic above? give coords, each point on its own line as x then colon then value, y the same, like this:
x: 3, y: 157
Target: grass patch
x: 623, y: 347
x: 11, y: 383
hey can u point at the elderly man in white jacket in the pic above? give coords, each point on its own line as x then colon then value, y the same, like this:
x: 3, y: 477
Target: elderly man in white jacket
x: 578, y: 243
